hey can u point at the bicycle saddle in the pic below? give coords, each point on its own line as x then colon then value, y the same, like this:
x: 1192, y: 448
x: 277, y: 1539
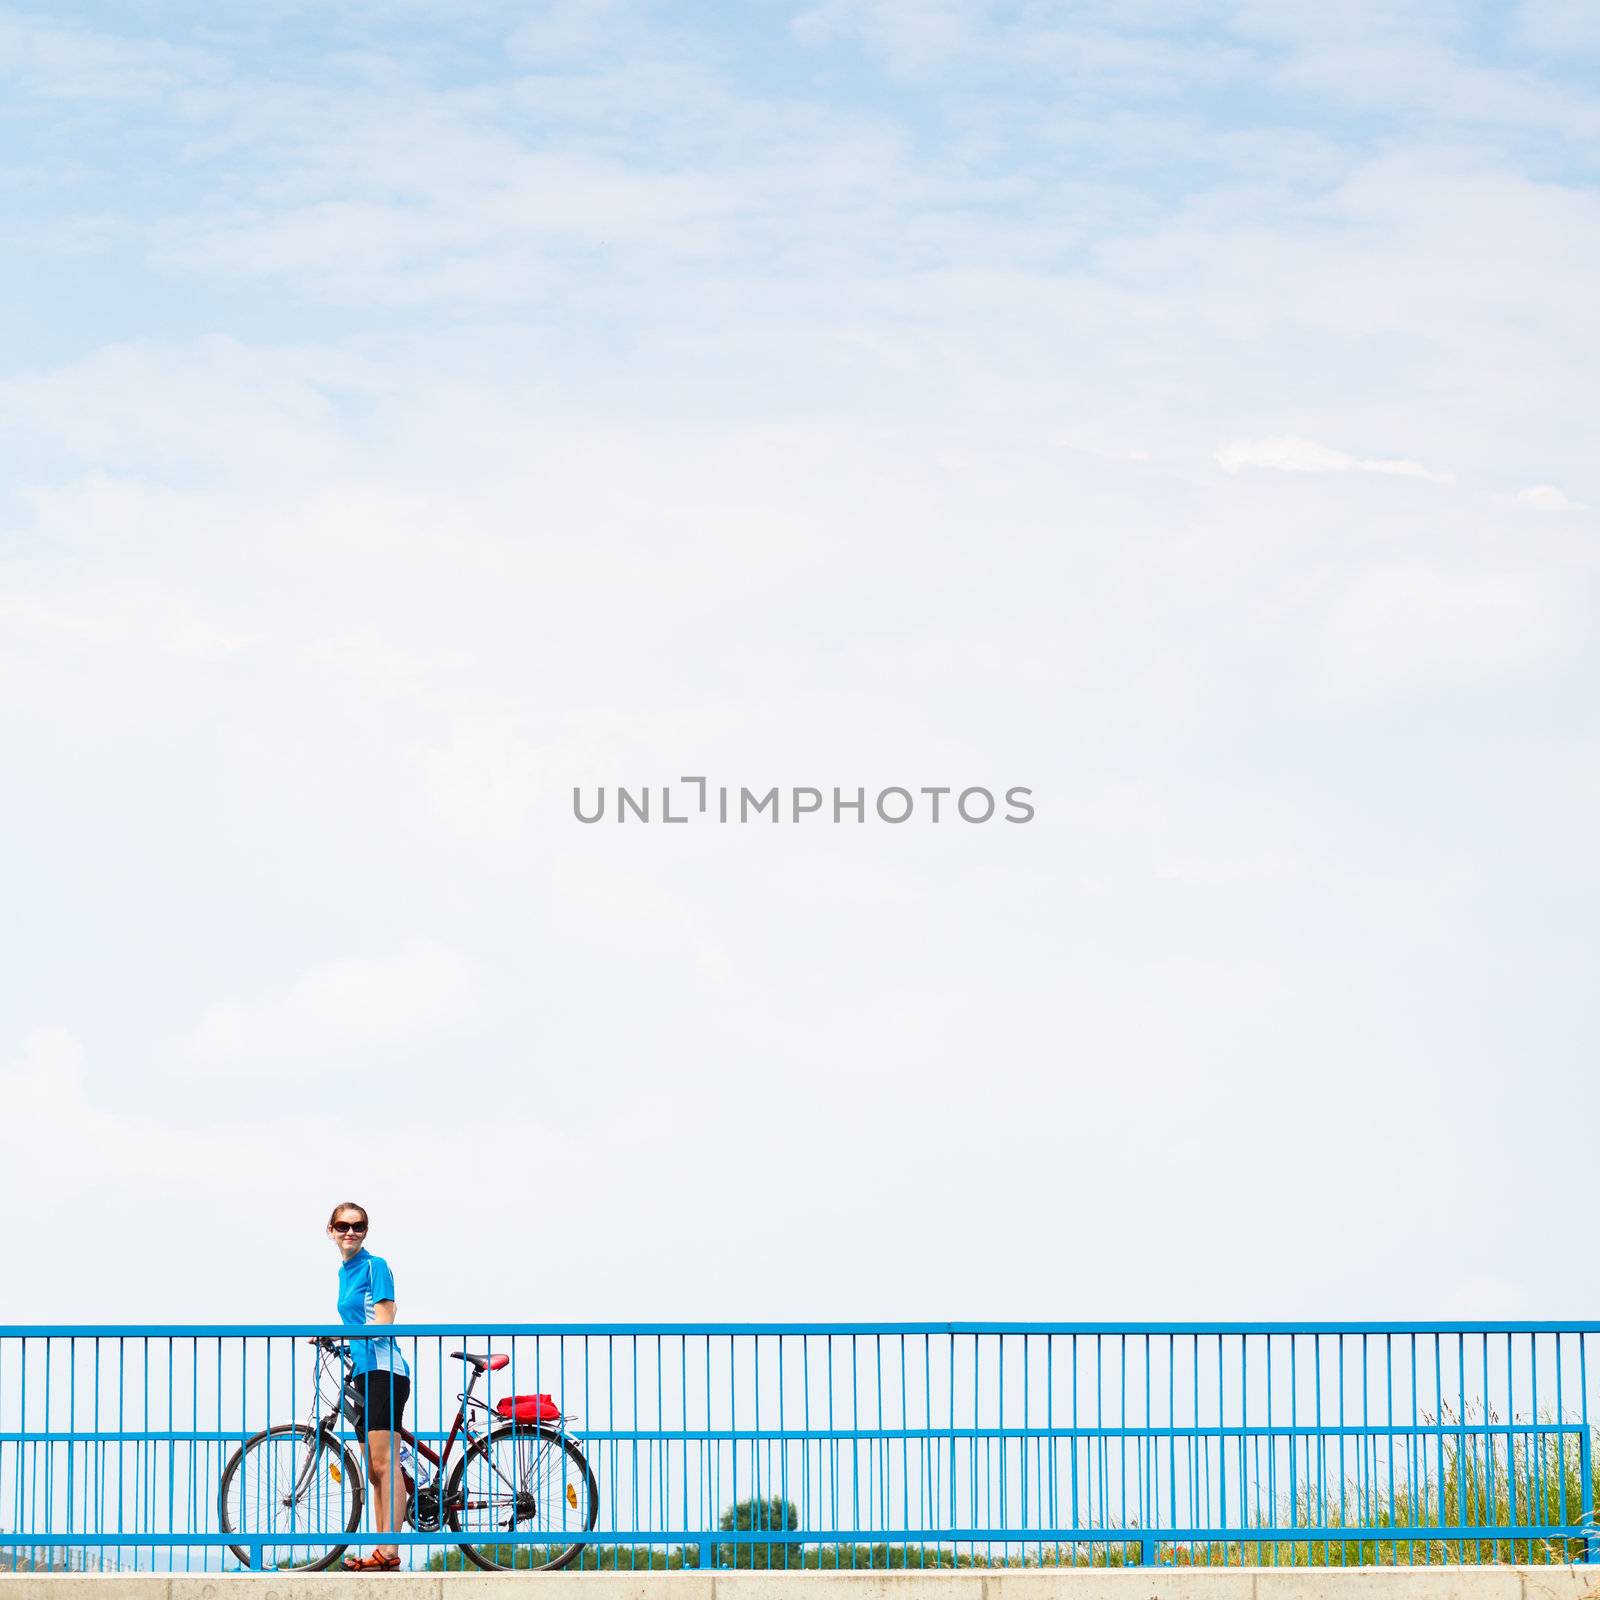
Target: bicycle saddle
x: 474, y: 1359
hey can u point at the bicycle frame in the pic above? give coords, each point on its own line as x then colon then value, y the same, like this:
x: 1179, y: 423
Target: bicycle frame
x: 329, y: 1351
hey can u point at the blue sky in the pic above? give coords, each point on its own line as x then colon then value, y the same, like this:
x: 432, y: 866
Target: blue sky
x: 1182, y: 408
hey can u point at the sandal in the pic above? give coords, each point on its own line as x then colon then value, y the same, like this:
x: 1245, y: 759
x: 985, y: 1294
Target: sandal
x: 376, y: 1562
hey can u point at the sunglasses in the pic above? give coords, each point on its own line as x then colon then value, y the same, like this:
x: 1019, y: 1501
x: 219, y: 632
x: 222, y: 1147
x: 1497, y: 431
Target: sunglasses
x: 348, y: 1227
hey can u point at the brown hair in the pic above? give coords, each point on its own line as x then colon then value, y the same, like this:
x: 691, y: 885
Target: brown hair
x: 349, y: 1205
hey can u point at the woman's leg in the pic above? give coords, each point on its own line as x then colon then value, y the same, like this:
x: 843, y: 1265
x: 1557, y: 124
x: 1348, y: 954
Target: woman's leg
x: 388, y: 1489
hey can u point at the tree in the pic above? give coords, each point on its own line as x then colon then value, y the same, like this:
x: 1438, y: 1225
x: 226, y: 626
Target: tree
x: 755, y: 1516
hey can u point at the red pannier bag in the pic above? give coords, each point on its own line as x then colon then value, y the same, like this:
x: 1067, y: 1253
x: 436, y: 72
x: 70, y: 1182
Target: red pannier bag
x: 528, y: 1408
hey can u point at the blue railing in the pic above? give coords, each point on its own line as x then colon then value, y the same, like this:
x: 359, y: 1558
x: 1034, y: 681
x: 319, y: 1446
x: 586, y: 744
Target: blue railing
x: 854, y: 1445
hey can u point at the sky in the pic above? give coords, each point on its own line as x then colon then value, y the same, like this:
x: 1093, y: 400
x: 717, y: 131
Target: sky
x: 1182, y: 409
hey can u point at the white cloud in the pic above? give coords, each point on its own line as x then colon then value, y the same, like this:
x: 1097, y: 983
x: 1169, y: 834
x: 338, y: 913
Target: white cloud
x: 1562, y: 27
x: 1290, y: 453
x: 1105, y: 452
x: 567, y: 28
x: 1410, y: 63
x: 55, y: 1124
x: 912, y: 34
x: 342, y: 1010
x: 50, y: 1056
x: 127, y: 1174
x: 51, y: 1123
x: 1546, y: 497
x: 1225, y: 985
x: 124, y: 618
x: 1266, y: 867
x: 1489, y: 1297
x: 61, y: 1126
x: 1401, y: 627
x: 76, y: 64
x: 147, y: 408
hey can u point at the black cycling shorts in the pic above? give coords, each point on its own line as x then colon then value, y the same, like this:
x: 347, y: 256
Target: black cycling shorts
x: 383, y: 1401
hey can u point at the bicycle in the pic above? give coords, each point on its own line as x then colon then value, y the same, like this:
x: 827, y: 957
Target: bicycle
x: 301, y: 1478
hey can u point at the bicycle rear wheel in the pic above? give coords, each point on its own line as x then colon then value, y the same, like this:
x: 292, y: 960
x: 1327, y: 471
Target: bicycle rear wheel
x: 519, y: 1480
x: 291, y: 1482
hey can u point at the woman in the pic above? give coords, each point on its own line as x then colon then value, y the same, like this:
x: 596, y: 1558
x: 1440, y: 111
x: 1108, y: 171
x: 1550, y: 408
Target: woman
x: 366, y: 1295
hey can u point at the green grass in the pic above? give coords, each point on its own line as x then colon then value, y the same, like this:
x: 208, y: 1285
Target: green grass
x: 1461, y: 1479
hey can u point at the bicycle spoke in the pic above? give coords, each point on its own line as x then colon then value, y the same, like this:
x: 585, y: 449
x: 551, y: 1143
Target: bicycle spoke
x: 525, y: 1483
x: 288, y: 1485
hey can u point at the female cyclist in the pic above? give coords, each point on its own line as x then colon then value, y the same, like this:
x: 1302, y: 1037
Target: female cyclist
x: 366, y: 1295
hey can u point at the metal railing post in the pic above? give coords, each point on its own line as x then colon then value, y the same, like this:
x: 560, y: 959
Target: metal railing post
x: 1591, y: 1542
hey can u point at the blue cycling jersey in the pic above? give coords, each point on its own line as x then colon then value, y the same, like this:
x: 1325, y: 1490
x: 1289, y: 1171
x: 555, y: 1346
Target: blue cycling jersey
x: 364, y: 1280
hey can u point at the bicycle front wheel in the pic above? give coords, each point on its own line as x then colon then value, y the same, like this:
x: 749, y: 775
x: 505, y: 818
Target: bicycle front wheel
x: 291, y: 1484
x: 522, y: 1481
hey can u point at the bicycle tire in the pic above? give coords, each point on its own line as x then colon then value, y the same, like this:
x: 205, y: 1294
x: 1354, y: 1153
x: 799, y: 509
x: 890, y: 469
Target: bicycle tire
x: 577, y: 1481
x: 344, y: 1469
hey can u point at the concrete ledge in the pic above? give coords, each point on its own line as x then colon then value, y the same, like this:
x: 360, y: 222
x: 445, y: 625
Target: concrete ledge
x: 1128, y: 1583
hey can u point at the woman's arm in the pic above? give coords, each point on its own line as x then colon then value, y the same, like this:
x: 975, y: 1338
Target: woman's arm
x: 383, y: 1311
